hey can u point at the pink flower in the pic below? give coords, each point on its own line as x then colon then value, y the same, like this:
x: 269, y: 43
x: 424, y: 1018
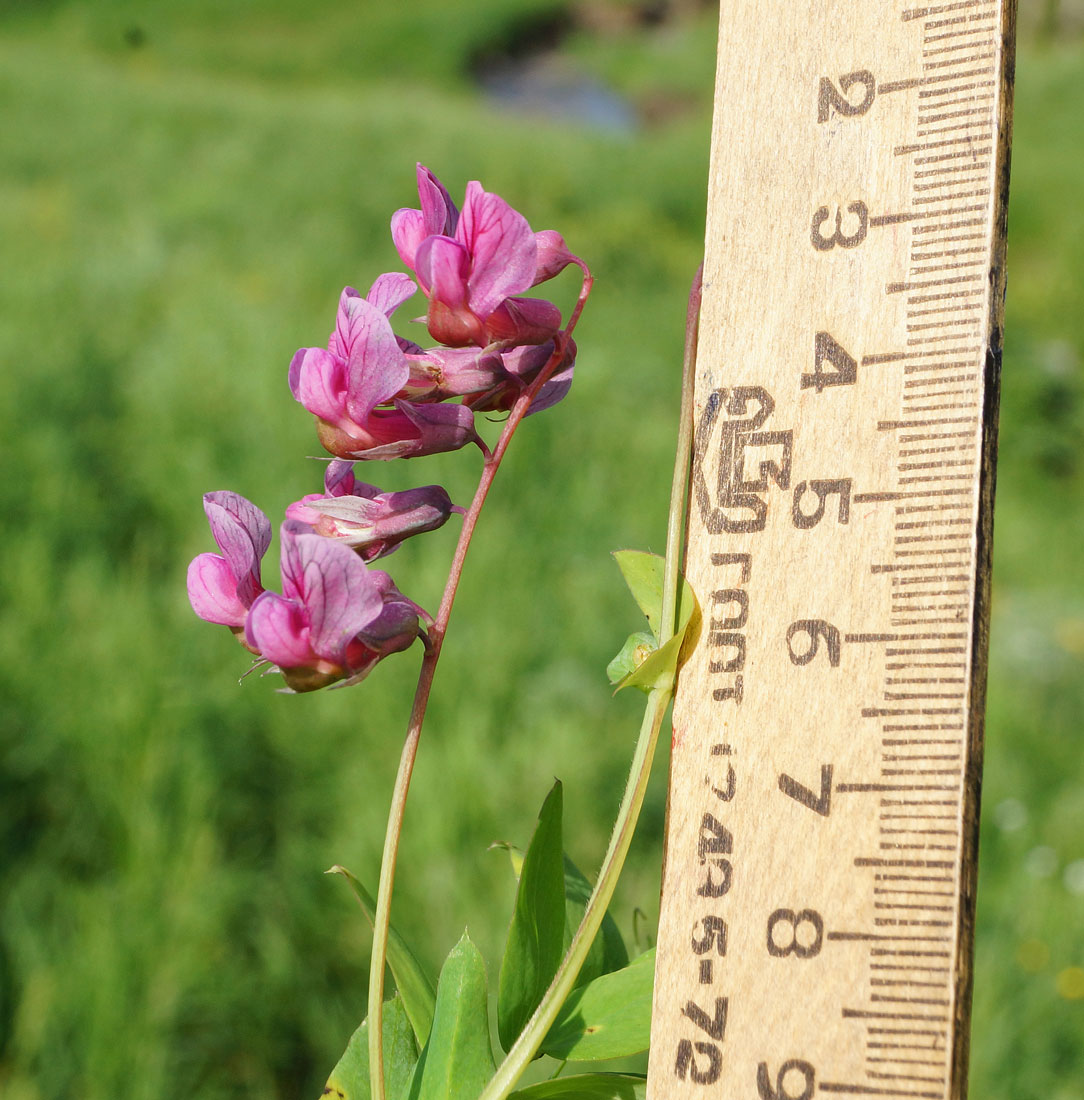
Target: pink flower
x: 370, y: 522
x: 335, y: 619
x: 352, y: 386
x: 473, y: 264
x: 222, y: 587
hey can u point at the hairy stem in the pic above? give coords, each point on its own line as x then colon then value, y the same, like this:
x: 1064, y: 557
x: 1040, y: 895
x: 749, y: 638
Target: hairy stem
x: 526, y: 1046
x: 382, y: 915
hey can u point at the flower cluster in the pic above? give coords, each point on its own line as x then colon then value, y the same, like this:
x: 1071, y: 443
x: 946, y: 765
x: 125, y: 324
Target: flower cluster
x: 376, y: 395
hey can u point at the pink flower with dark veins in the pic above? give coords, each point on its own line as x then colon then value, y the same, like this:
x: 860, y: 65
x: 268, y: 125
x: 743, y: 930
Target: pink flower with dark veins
x: 473, y: 264
x: 370, y: 522
x: 222, y: 587
x: 335, y: 618
x: 353, y: 387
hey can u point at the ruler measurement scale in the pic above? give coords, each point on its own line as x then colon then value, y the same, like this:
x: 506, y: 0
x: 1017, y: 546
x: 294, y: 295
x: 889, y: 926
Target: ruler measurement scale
x: 818, y: 894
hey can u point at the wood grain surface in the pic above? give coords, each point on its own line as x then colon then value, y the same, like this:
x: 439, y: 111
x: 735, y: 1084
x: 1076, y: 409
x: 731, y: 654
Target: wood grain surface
x: 819, y: 883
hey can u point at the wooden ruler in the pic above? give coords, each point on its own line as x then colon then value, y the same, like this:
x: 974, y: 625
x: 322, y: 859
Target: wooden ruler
x: 819, y: 885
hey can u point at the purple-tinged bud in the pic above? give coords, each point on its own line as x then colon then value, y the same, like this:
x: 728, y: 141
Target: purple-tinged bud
x: 523, y: 321
x: 523, y: 365
x: 407, y: 431
x: 374, y: 523
x: 440, y: 373
x: 553, y: 255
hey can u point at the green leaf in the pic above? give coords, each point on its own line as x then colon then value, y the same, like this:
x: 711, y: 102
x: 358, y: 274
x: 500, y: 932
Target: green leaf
x: 637, y: 648
x: 349, y: 1080
x: 608, y: 1018
x: 413, y: 983
x: 643, y: 573
x: 641, y: 663
x: 534, y: 947
x: 608, y: 952
x: 658, y: 669
x: 587, y: 1086
x: 458, y: 1060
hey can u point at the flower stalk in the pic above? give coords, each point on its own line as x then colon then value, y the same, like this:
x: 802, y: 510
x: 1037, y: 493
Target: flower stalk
x: 530, y: 1039
x: 434, y: 643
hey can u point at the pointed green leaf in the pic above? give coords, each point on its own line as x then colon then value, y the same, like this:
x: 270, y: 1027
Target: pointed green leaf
x: 458, y: 1060
x: 587, y: 1086
x: 411, y: 980
x: 609, y: 1018
x: 660, y: 667
x: 639, y: 663
x: 533, y: 950
x: 643, y: 573
x: 608, y: 952
x: 349, y: 1080
x: 637, y: 648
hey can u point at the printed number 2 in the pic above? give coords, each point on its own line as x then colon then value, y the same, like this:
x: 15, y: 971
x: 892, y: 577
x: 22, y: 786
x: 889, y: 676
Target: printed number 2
x: 829, y: 99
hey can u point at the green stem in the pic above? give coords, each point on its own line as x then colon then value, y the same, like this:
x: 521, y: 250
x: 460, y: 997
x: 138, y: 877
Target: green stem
x: 382, y: 914
x: 530, y: 1039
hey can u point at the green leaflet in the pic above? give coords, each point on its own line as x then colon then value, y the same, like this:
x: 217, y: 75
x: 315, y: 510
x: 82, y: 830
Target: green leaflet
x: 608, y: 1018
x: 587, y: 1086
x: 637, y: 648
x: 458, y: 1060
x: 349, y: 1079
x: 535, y: 943
x: 641, y: 663
x: 608, y: 952
x: 413, y: 983
x: 643, y: 573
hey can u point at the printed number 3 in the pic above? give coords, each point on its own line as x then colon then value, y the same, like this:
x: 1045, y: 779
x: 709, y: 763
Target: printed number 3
x: 822, y: 243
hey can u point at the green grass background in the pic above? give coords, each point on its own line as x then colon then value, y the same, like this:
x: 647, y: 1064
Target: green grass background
x: 184, y: 188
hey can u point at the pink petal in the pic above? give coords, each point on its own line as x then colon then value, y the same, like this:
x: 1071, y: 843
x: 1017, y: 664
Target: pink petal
x: 318, y: 382
x: 279, y: 629
x: 443, y: 267
x: 376, y: 369
x: 438, y: 210
x: 212, y: 591
x: 502, y: 249
x: 407, y: 233
x: 300, y: 511
x: 339, y: 481
x: 390, y: 291
x: 342, y: 339
x: 340, y: 596
x: 243, y: 534
x: 361, y: 514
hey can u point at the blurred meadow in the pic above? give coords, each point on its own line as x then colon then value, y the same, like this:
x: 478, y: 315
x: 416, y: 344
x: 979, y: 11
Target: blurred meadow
x: 184, y: 189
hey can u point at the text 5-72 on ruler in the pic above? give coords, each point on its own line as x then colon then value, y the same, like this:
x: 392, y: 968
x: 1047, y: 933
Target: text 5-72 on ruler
x: 818, y: 892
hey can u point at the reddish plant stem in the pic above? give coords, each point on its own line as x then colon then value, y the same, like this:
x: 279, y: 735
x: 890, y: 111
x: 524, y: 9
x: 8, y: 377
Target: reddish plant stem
x: 434, y: 644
